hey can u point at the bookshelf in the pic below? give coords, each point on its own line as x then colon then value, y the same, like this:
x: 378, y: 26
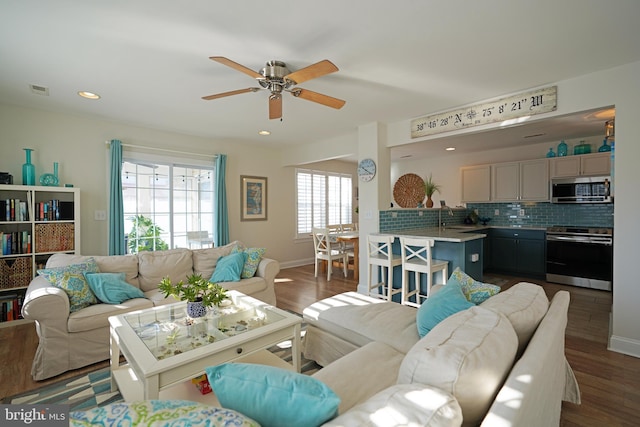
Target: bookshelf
x: 35, y: 223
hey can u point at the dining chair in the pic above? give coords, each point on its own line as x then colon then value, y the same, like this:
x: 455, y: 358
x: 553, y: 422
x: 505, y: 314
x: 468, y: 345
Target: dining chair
x: 327, y: 249
x: 349, y: 227
x: 416, y: 260
x: 382, y: 260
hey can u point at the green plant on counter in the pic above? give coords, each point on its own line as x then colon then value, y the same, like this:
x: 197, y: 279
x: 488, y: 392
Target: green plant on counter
x: 196, y: 289
x: 431, y: 187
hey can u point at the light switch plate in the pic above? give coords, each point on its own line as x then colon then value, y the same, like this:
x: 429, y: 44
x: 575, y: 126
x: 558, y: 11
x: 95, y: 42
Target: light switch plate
x: 100, y: 215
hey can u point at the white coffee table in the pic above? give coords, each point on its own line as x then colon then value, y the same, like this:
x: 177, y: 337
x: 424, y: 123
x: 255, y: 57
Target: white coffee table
x: 164, y: 347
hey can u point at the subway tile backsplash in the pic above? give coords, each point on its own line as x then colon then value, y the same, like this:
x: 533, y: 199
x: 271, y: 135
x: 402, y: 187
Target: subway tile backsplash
x: 524, y: 214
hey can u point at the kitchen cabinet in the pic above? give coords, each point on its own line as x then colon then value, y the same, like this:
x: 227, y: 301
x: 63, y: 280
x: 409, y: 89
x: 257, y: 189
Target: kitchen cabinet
x: 476, y: 183
x: 520, y: 181
x: 520, y: 252
x: 585, y: 164
x: 35, y: 223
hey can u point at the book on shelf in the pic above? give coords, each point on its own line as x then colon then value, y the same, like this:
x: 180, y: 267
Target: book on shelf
x: 13, y: 210
x: 54, y: 210
x: 15, y: 242
x: 10, y: 307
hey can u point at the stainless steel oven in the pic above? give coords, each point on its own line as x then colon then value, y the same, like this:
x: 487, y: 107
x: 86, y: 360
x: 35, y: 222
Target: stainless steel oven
x: 580, y: 256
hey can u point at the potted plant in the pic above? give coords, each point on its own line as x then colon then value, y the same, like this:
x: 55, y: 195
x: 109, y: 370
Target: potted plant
x: 430, y: 188
x: 198, y: 292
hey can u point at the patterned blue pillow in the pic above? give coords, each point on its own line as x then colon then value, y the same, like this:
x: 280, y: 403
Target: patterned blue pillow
x: 160, y: 412
x: 254, y: 256
x: 71, y: 279
x: 475, y: 292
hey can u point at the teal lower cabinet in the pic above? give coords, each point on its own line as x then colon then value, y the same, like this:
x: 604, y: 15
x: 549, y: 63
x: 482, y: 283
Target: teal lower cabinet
x: 518, y: 252
x: 467, y: 255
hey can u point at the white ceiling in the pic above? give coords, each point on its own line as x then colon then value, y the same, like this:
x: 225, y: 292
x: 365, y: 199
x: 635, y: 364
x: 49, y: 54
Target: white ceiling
x: 148, y: 59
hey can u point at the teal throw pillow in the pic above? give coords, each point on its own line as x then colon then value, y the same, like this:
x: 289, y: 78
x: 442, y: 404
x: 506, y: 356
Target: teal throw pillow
x: 228, y: 268
x: 442, y: 304
x: 111, y: 288
x: 273, y: 396
x: 71, y: 279
x: 475, y: 292
x: 254, y: 256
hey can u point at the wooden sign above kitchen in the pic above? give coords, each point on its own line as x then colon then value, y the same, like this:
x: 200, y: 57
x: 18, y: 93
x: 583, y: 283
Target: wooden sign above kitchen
x: 508, y: 108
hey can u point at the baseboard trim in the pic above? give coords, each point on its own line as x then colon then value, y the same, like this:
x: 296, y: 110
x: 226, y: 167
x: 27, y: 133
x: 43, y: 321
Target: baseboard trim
x: 624, y: 345
x: 296, y: 263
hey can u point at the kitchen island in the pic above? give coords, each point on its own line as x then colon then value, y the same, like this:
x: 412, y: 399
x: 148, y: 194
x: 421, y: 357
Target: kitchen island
x: 461, y: 245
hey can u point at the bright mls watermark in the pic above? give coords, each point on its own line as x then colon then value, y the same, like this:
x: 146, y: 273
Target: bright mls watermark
x: 34, y: 415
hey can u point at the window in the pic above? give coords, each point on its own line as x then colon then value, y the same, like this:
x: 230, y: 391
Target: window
x: 322, y: 198
x: 165, y: 201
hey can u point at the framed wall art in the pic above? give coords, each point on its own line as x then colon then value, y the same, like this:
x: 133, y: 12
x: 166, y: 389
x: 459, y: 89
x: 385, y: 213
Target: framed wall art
x: 253, y: 198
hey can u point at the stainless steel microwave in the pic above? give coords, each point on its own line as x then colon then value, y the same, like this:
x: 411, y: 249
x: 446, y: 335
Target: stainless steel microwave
x: 583, y: 189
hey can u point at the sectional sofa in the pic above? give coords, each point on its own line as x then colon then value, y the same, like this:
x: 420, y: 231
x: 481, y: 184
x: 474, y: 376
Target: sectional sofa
x: 499, y: 363
x: 70, y: 340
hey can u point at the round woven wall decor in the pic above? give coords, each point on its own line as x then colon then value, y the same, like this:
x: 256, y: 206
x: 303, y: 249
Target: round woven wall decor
x: 408, y: 191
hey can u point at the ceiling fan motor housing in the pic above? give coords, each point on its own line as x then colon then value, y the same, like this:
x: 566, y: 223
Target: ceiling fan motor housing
x: 274, y: 72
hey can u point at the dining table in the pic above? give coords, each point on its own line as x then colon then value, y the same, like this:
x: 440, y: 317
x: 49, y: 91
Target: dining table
x: 354, y: 238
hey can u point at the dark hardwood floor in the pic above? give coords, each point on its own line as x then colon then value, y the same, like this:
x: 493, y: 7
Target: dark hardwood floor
x: 609, y: 382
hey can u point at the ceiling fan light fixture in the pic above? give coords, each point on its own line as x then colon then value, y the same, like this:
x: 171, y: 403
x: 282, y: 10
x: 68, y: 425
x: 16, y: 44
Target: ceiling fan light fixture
x: 264, y: 132
x: 450, y: 149
x: 277, y: 78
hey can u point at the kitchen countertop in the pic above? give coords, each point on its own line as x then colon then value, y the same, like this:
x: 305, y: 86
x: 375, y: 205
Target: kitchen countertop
x: 448, y: 234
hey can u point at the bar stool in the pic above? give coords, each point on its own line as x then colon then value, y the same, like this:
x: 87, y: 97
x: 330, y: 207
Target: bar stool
x: 416, y: 258
x: 381, y: 256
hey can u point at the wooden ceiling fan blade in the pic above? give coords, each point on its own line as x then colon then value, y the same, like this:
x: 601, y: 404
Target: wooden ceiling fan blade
x: 312, y: 71
x: 275, y: 106
x: 327, y: 100
x: 233, y: 92
x: 236, y: 66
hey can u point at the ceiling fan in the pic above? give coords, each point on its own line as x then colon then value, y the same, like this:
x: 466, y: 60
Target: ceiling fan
x: 277, y: 78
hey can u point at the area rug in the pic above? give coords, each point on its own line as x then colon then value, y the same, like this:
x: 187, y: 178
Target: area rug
x: 94, y: 389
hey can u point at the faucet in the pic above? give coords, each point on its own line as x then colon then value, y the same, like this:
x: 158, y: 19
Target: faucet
x: 443, y: 205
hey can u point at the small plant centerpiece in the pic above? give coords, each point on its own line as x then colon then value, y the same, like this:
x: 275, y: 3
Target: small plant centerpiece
x: 198, y: 292
x: 430, y: 188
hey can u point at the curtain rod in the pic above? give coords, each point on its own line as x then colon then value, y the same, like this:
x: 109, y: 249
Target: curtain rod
x: 164, y: 149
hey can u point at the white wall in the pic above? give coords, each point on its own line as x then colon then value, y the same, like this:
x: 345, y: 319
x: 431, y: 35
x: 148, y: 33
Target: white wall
x: 78, y: 144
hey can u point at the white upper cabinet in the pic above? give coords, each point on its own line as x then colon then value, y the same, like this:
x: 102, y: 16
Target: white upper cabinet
x: 585, y: 164
x: 476, y: 183
x: 520, y: 181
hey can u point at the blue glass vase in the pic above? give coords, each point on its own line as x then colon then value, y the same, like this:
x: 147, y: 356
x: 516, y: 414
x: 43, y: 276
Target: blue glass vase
x: 551, y: 153
x: 562, y: 149
x: 604, y: 147
x: 28, y: 170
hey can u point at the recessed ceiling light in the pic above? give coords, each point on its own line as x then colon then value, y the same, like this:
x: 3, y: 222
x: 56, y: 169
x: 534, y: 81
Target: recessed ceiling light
x: 264, y: 132
x: 450, y: 148
x: 88, y: 95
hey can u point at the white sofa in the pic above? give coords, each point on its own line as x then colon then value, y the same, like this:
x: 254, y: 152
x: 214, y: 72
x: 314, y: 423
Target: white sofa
x: 73, y: 340
x: 500, y: 363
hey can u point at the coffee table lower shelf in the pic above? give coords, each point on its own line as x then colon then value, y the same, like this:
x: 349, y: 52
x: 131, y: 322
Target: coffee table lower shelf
x: 131, y: 388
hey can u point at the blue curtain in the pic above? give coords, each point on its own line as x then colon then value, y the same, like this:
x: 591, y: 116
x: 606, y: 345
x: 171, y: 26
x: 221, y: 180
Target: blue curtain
x: 221, y: 235
x: 116, y: 213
